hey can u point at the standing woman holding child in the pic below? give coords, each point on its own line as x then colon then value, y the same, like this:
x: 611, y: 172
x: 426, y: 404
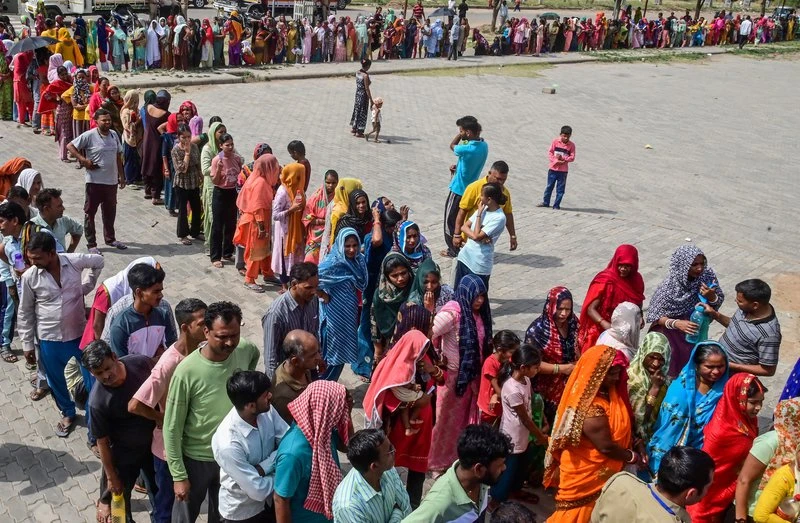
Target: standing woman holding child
x: 358, y: 122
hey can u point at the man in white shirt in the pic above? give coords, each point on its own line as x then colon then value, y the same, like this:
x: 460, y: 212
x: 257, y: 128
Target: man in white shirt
x: 52, y: 309
x: 745, y: 29
x: 245, y: 446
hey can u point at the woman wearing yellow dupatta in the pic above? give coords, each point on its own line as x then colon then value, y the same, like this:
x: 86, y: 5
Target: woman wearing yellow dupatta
x: 68, y: 49
x: 341, y: 203
x: 591, y: 438
x: 288, y: 242
x: 253, y: 230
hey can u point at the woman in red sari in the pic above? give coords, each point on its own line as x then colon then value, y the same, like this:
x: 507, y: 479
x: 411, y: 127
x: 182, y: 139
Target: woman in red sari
x: 728, y: 439
x: 619, y: 282
x: 407, y: 362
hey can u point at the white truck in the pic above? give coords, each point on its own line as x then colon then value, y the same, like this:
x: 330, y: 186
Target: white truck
x: 89, y: 7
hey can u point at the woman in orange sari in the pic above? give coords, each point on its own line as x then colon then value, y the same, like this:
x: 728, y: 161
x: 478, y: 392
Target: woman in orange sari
x: 288, y: 242
x: 591, y: 440
x: 619, y: 282
x: 253, y: 230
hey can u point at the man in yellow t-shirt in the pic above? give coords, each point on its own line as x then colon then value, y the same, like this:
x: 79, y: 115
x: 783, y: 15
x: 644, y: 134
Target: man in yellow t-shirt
x: 498, y: 173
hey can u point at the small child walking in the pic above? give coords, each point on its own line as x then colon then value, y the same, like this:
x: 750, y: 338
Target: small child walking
x: 377, y: 104
x: 517, y: 422
x: 506, y: 343
x: 562, y: 153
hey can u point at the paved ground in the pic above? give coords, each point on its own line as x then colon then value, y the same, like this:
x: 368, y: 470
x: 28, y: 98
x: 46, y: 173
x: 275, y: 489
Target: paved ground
x: 720, y: 172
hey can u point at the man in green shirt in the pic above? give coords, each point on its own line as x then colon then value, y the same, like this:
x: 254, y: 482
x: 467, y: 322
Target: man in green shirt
x: 196, y: 404
x: 462, y: 493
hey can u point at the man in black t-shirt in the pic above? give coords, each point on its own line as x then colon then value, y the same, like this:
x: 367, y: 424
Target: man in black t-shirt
x: 123, y: 439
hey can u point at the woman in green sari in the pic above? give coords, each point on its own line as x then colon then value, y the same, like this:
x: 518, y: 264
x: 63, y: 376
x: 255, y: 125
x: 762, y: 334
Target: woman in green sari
x: 648, y: 382
x: 210, y: 150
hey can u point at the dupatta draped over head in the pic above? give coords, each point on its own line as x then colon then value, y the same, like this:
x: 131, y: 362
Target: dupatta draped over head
x: 337, y: 268
x: 676, y: 296
x: 728, y: 439
x: 469, y: 346
x: 258, y: 191
x: 421, y: 251
x: 684, y: 413
x: 611, y: 289
x: 318, y: 411
x: 442, y: 295
x: 787, y: 425
x: 351, y: 218
x: 626, y: 321
x: 293, y: 179
x: 388, y: 298
x: 639, y: 381
x: 398, y: 368
x: 117, y: 286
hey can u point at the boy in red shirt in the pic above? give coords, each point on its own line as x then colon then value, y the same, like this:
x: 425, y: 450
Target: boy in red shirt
x: 562, y: 153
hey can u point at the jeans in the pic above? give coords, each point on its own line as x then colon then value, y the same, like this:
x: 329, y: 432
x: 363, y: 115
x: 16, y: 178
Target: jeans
x: 203, y: 479
x: 132, y: 163
x: 98, y: 194
x: 55, y: 355
x: 518, y: 467
x: 165, y: 495
x: 223, y: 222
x: 7, y: 309
x: 462, y: 270
x: 37, y: 118
x: 559, y: 180
x: 192, y: 198
x: 414, y: 484
x: 169, y: 195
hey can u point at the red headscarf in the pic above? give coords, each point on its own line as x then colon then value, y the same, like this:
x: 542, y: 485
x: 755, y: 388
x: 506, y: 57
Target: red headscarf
x: 192, y: 107
x: 320, y: 409
x: 257, y: 192
x: 172, y: 123
x: 9, y: 172
x: 728, y: 438
x: 611, y: 289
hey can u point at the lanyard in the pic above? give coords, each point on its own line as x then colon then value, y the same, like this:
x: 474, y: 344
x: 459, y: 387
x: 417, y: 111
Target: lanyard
x: 660, y: 502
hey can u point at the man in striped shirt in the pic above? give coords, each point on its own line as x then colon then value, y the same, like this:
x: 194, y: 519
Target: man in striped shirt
x: 752, y: 335
x: 372, y: 492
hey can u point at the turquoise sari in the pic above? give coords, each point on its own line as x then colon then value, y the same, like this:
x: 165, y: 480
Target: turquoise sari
x: 685, y: 412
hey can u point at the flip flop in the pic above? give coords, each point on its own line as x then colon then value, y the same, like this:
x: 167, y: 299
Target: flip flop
x: 8, y: 356
x: 62, y: 431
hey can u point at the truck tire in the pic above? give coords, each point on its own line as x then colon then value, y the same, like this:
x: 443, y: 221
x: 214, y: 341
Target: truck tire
x: 341, y: 4
x: 199, y: 4
x: 53, y: 11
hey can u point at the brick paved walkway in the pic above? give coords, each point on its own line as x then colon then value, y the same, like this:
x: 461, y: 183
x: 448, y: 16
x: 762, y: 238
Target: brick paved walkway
x: 717, y: 173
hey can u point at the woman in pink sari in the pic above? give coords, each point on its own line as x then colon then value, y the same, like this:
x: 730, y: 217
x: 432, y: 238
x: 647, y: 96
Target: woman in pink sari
x: 569, y: 30
x: 314, y: 215
x: 462, y: 331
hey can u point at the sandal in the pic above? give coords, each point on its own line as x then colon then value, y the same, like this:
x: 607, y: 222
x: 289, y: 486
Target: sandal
x: 242, y: 272
x: 7, y: 355
x: 364, y: 379
x: 37, y: 394
x: 254, y: 287
x: 30, y: 361
x: 94, y: 448
x: 185, y: 241
x: 62, y: 431
x: 157, y: 201
x: 217, y: 264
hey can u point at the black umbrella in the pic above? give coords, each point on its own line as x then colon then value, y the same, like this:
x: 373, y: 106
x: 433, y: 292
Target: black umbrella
x: 442, y: 11
x: 31, y: 43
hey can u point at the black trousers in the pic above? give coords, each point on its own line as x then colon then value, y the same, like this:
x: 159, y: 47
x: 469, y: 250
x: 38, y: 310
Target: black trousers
x: 128, y: 473
x: 203, y: 481
x: 192, y: 198
x: 223, y: 222
x: 450, y: 215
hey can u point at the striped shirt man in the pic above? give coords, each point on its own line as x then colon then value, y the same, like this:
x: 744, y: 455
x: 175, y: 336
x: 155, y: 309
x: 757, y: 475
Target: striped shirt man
x: 752, y: 342
x: 285, y: 314
x: 355, y: 501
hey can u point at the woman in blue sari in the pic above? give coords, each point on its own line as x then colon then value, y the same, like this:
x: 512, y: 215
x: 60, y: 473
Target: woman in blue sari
x: 408, y: 241
x: 690, y: 402
x: 342, y: 275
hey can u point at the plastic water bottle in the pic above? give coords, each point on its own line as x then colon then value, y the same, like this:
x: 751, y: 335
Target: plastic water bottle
x: 789, y: 508
x: 700, y: 318
x: 19, y: 263
x: 117, y: 508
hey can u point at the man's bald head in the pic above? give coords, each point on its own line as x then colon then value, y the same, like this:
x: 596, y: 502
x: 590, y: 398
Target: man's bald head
x: 303, y: 347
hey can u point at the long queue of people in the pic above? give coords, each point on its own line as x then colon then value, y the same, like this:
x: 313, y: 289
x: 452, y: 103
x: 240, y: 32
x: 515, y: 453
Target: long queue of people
x: 481, y: 409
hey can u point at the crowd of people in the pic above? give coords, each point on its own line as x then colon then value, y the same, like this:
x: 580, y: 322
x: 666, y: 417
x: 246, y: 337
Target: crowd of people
x: 585, y: 404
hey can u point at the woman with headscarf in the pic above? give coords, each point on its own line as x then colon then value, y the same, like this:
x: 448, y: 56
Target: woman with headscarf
x: 728, y: 438
x: 593, y: 415
x: 234, y: 30
x: 180, y: 46
x: 6, y: 85
x: 207, y: 44
x: 152, y: 164
x: 307, y: 35
x: 139, y: 43
x: 79, y: 34
x: 342, y: 279
x: 292, y: 43
x: 314, y: 215
x: 152, y: 47
x: 338, y: 208
x: 620, y: 281
x: 113, y: 104
x: 363, y: 100
x: 51, y: 101
x: 253, y: 229
x: 392, y: 291
x: 119, y: 46
x: 210, y: 150
x: 287, y: 215
x: 165, y: 43
x: 31, y: 181
x: 554, y: 333
x: 259, y: 42
x: 408, y: 362
x: 10, y: 172
x: 428, y: 290
x: 219, y: 42
x: 409, y: 242
x: 690, y: 281
x: 102, y: 43
x: 96, y: 100
x: 462, y: 333
x: 358, y: 215
x: 648, y: 382
x: 623, y: 334
x: 23, y: 96
x: 78, y: 97
x: 91, y: 53
x: 132, y: 134
x: 690, y: 401
x: 67, y: 47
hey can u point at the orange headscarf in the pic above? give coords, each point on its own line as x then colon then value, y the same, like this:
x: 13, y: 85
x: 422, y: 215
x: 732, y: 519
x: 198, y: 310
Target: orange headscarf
x: 293, y: 178
x: 257, y: 192
x: 9, y: 171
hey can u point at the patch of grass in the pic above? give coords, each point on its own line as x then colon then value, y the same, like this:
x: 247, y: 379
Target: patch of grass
x: 656, y: 57
x: 514, y: 70
x: 769, y: 50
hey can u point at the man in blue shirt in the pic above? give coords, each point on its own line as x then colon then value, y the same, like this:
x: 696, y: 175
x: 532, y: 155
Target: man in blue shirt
x: 472, y: 152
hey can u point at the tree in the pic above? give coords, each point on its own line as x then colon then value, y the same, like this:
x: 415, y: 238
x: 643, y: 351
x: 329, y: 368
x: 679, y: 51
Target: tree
x: 495, y: 10
x: 698, y: 8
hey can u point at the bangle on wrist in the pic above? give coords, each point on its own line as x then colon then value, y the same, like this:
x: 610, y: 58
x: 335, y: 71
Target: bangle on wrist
x: 556, y: 368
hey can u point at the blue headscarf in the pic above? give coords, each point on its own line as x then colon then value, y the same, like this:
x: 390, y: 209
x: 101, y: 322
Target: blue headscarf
x: 684, y: 413
x: 471, y: 351
x: 337, y: 268
x: 102, y: 35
